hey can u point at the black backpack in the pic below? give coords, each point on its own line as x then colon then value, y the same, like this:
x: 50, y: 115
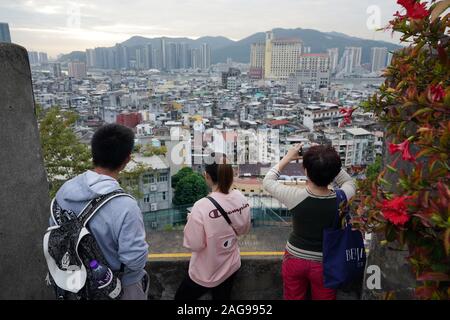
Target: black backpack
x: 69, y: 249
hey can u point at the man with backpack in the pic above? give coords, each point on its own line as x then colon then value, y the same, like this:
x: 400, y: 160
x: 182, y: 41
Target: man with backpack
x: 110, y: 215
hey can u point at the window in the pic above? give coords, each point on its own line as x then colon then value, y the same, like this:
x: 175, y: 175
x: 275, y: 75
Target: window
x: 146, y: 198
x: 148, y: 178
x: 163, y: 195
x: 163, y: 177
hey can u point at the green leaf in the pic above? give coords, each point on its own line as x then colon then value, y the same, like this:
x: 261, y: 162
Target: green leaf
x: 391, y: 234
x: 392, y: 169
x: 421, y: 111
x: 384, y: 181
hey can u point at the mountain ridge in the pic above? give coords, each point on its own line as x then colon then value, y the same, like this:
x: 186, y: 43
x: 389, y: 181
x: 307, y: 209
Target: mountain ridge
x: 239, y: 50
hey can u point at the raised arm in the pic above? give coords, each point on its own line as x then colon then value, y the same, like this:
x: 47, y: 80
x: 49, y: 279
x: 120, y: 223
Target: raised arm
x: 289, y: 196
x: 346, y: 183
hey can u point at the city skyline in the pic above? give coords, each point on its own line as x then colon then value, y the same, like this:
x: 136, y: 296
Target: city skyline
x: 63, y: 26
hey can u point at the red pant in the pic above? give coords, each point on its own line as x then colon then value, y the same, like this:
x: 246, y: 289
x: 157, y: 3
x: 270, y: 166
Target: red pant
x: 299, y: 275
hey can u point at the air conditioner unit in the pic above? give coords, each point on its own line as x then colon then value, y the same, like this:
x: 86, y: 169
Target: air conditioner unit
x: 153, y: 187
x: 153, y: 207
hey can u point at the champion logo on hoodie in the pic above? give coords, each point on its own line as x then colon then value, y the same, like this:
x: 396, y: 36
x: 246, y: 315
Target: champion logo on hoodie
x: 214, y: 214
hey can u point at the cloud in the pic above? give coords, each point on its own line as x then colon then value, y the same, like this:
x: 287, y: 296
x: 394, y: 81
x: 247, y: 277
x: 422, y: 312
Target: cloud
x: 60, y: 25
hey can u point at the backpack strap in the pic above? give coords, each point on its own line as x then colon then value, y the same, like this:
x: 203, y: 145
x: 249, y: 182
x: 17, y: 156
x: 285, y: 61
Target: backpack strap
x: 60, y: 215
x: 222, y: 212
x: 92, y: 207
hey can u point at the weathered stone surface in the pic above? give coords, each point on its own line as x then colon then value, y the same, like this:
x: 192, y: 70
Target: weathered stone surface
x: 396, y: 274
x: 24, y: 199
x: 259, y: 278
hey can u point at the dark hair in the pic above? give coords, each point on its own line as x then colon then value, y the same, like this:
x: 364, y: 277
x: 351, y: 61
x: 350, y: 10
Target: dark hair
x: 322, y: 163
x: 111, y: 145
x: 221, y: 172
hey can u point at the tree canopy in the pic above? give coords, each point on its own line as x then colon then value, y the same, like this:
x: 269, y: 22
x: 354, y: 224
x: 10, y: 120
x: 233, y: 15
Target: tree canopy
x: 189, y: 187
x: 64, y: 155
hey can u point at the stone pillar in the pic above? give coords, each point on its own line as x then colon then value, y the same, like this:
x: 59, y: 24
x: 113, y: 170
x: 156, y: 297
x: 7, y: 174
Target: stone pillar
x: 24, y: 200
x: 397, y: 278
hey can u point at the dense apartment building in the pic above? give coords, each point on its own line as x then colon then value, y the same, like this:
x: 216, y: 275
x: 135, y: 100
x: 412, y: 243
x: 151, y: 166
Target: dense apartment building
x: 321, y: 115
x: 153, y: 184
x: 230, y: 76
x: 356, y: 146
x: 129, y: 119
x: 313, y: 71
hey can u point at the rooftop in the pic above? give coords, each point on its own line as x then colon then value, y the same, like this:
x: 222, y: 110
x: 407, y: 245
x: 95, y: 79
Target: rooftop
x: 155, y: 162
x: 358, y: 131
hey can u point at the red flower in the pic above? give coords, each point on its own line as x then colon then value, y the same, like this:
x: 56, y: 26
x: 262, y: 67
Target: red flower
x: 414, y: 9
x: 347, y: 112
x: 395, y: 210
x: 403, y: 148
x: 437, y: 93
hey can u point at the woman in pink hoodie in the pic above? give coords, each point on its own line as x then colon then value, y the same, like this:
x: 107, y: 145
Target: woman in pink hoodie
x: 213, y: 237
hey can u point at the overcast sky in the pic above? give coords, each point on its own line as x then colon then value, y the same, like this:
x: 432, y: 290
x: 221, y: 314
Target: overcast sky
x: 60, y: 26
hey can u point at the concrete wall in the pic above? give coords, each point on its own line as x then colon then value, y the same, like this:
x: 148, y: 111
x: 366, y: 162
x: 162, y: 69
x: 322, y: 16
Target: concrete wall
x: 24, y: 199
x: 396, y: 274
x: 258, y: 279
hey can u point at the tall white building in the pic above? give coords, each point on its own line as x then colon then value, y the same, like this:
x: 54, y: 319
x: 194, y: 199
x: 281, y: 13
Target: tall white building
x: 196, y: 58
x: 43, y: 58
x: 379, y: 57
x: 206, y: 56
x: 183, y: 49
x: 148, y: 51
x: 5, y: 35
x: 389, y: 58
x: 314, y: 69
x: 280, y: 57
x: 90, y: 58
x: 351, y: 59
x: 257, y: 60
x: 257, y: 55
x: 77, y: 70
x: 334, y: 59
x: 37, y: 57
x: 163, y: 62
x: 33, y: 56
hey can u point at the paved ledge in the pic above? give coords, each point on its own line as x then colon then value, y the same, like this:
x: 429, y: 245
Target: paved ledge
x: 261, y: 239
x: 166, y: 256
